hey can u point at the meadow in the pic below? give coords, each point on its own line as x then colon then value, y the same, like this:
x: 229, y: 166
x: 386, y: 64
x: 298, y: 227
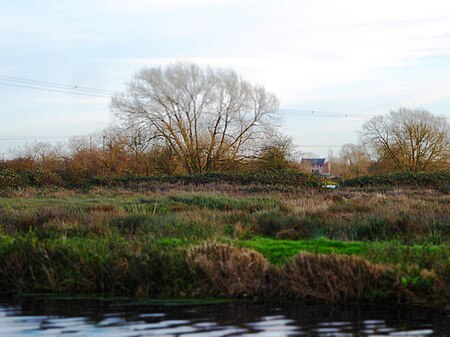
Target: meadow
x: 171, y: 239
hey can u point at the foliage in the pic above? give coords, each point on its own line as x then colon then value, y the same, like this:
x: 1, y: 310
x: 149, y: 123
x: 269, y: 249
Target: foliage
x: 275, y: 177
x: 10, y: 180
x: 436, y: 180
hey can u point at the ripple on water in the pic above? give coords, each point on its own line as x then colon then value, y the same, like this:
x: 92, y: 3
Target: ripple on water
x: 412, y: 333
x: 335, y: 324
x: 40, y: 319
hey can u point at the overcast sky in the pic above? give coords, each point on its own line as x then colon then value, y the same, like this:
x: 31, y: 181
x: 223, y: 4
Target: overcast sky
x: 353, y: 57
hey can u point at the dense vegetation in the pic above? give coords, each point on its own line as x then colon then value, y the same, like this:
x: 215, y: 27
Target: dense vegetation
x: 16, y: 179
x: 180, y: 240
x: 11, y: 179
x: 435, y: 180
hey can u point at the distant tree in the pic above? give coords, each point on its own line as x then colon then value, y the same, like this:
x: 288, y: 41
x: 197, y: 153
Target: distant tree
x: 408, y: 140
x: 352, y: 161
x: 44, y: 155
x: 276, y: 156
x: 85, y: 157
x: 205, y: 116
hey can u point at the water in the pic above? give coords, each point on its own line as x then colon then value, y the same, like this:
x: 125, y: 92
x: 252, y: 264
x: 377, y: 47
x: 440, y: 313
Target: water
x: 68, y: 317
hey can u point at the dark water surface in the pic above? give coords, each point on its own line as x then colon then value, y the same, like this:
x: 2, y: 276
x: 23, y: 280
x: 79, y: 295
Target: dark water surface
x: 68, y: 317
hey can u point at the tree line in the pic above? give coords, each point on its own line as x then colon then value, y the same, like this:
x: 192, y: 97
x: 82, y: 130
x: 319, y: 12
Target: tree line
x: 187, y: 119
x: 404, y: 140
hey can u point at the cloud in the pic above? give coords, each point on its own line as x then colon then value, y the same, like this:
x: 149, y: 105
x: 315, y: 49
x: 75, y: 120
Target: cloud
x: 297, y: 48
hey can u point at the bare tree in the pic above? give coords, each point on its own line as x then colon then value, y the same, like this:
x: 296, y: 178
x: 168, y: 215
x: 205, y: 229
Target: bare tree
x: 413, y: 140
x: 352, y: 161
x: 205, y: 115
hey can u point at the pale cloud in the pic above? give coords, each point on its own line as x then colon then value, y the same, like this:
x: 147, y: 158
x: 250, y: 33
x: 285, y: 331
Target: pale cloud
x: 295, y: 47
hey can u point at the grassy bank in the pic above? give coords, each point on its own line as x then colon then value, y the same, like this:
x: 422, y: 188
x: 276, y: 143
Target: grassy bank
x: 318, y: 269
x: 341, y: 245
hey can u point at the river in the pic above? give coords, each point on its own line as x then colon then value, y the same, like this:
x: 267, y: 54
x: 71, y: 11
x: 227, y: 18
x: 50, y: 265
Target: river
x: 43, y: 316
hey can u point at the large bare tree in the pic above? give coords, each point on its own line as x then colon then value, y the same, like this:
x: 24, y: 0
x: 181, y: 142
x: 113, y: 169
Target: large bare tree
x: 207, y: 116
x: 412, y: 140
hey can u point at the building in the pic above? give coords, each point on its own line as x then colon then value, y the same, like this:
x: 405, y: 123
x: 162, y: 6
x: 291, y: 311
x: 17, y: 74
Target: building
x: 316, y: 166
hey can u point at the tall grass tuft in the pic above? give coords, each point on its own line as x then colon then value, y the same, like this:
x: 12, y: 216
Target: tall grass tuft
x: 333, y: 278
x: 229, y: 271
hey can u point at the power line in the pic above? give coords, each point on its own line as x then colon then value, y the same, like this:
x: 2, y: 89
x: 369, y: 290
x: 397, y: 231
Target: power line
x: 328, y: 114
x: 72, y: 89
x: 34, y: 138
x: 54, y: 85
x: 67, y: 137
x: 52, y: 90
x: 324, y: 114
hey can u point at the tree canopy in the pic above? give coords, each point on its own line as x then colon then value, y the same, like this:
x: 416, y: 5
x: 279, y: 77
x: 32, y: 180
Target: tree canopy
x: 409, y: 140
x: 207, y: 116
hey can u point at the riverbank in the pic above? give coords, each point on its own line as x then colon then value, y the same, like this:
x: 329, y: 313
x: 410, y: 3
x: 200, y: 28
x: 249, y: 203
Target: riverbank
x: 339, y: 246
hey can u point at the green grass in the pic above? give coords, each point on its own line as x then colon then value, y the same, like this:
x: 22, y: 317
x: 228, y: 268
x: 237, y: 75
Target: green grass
x: 279, y: 251
x: 223, y: 203
x: 142, y: 204
x: 388, y: 252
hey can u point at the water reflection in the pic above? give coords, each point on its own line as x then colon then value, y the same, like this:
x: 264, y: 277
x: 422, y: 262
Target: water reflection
x: 58, y: 317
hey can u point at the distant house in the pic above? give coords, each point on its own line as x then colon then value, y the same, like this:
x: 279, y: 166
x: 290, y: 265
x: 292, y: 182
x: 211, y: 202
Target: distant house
x: 316, y: 166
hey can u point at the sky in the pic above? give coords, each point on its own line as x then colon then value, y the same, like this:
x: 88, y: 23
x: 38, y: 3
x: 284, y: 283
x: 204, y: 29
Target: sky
x: 333, y: 64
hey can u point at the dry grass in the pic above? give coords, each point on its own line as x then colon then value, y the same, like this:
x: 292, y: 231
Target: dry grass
x: 236, y: 272
x: 229, y: 271
x: 333, y: 278
x: 413, y: 216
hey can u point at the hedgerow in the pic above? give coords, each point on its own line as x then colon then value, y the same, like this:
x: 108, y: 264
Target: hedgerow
x: 10, y: 179
x: 436, y: 180
x: 281, y: 177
